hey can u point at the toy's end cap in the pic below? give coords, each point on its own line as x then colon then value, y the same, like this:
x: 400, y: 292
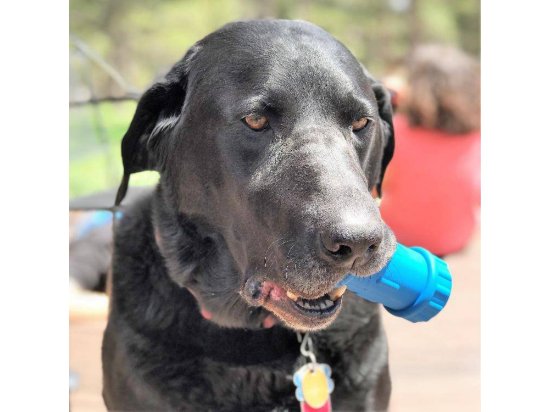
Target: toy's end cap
x: 435, y: 295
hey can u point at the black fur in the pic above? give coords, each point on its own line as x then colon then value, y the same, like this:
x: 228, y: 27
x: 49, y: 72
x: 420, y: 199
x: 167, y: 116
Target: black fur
x: 235, y: 205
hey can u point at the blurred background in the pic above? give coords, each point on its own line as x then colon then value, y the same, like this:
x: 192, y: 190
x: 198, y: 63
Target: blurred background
x: 119, y: 47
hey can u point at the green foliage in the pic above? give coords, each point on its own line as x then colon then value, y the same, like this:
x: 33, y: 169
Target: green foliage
x: 142, y: 39
x: 94, y: 148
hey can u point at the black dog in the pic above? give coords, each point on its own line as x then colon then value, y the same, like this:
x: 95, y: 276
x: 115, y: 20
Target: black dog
x: 269, y: 138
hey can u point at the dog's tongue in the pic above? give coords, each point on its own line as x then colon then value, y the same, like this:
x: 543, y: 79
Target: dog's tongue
x: 269, y: 321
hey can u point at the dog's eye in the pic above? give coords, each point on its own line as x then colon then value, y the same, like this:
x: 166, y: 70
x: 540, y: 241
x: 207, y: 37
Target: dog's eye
x: 256, y: 122
x: 359, y: 124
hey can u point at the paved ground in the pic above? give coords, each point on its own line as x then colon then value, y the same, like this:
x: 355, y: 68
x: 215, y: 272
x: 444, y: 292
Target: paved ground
x: 435, y: 366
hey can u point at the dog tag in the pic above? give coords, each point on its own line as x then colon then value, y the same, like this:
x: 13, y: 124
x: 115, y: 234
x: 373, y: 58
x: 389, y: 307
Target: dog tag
x: 313, y: 387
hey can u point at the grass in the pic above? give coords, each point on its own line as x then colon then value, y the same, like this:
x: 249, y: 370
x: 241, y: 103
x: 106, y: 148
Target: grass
x: 95, y: 133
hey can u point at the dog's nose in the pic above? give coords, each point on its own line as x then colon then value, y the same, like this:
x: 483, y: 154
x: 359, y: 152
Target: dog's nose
x: 346, y: 244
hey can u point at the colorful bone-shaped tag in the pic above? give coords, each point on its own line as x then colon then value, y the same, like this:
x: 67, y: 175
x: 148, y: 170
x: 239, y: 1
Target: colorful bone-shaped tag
x: 313, y: 387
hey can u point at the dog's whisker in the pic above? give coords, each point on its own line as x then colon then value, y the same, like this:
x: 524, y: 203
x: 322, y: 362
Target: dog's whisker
x: 290, y: 250
x: 273, y: 253
x: 235, y: 301
x: 269, y: 247
x: 272, y: 243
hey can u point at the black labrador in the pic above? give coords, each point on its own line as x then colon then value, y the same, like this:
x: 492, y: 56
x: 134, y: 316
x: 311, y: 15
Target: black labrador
x: 270, y: 139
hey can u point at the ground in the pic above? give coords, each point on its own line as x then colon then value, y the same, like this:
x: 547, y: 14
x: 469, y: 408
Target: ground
x: 434, y: 366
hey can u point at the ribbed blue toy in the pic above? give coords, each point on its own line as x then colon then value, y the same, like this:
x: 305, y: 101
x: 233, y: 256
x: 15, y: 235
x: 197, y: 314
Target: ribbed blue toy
x: 414, y: 285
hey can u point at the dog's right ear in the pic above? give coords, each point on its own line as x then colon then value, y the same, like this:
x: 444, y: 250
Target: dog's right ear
x: 158, y: 111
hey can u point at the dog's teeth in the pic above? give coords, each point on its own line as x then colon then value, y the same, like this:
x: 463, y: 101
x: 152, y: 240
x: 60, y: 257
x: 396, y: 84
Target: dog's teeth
x: 328, y: 303
x: 292, y: 295
x: 322, y: 303
x: 337, y: 293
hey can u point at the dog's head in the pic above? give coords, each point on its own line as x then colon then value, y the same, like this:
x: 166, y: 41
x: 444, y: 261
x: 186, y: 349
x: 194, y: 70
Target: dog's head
x: 270, y: 138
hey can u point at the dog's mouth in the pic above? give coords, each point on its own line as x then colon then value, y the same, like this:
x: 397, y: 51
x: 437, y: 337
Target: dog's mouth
x: 296, y: 311
x: 325, y: 304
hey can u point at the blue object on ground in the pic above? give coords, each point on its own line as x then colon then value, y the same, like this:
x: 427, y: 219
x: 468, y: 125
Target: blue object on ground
x: 95, y: 220
x: 414, y: 285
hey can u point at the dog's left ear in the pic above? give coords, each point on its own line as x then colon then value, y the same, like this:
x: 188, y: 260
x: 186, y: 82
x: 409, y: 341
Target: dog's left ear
x: 158, y: 111
x: 382, y: 152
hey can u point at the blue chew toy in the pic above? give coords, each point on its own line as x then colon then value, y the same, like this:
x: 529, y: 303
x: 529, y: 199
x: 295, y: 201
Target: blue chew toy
x: 414, y: 285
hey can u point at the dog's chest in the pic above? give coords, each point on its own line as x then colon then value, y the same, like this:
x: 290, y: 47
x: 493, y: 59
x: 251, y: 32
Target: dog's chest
x: 203, y: 383
x: 259, y: 386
